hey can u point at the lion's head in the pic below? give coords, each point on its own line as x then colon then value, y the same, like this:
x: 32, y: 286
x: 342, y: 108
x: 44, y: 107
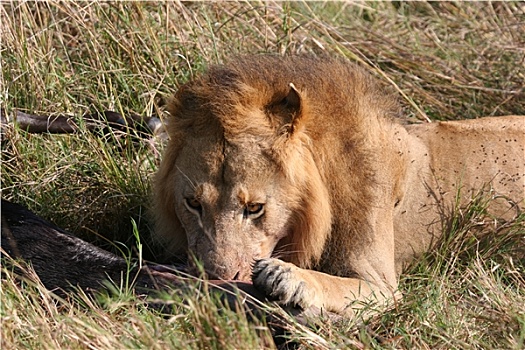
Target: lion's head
x: 241, y: 178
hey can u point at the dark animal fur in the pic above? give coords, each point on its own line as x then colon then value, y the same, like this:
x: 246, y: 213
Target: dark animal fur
x: 61, y: 260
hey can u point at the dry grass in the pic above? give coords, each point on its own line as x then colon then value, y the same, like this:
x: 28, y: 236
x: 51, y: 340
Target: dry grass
x: 446, y: 60
x: 33, y: 317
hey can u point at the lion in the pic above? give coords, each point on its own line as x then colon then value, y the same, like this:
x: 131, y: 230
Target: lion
x: 295, y: 173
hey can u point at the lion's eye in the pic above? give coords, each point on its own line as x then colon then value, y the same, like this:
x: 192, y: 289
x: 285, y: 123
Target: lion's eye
x: 254, y: 210
x: 194, y: 204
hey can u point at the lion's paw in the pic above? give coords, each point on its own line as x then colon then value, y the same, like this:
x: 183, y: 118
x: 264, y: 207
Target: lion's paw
x: 283, y: 282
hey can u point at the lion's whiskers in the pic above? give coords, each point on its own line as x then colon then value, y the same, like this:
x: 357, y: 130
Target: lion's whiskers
x: 283, y: 252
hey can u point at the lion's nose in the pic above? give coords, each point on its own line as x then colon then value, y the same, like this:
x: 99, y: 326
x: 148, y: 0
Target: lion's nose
x: 223, y: 273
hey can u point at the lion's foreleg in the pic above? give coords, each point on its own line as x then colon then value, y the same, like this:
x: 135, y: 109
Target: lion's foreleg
x: 290, y: 285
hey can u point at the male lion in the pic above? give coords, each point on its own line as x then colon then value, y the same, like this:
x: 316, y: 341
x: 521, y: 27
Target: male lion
x: 292, y: 172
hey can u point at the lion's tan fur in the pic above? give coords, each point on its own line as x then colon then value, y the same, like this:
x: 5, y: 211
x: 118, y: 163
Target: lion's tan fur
x: 354, y: 194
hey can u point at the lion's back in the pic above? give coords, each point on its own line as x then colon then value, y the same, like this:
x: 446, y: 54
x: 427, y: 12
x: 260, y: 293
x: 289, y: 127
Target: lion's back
x: 469, y: 155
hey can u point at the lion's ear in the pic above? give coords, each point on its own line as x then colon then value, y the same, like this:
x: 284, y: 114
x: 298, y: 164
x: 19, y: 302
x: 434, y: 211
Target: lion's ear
x: 289, y: 110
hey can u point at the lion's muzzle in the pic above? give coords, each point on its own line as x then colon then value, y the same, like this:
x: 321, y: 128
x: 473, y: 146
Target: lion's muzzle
x: 224, y: 265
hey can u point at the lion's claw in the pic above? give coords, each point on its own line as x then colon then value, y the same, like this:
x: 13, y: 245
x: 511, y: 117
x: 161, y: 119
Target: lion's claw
x: 282, y: 282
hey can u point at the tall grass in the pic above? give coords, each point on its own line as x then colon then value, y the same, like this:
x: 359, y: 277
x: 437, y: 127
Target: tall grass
x: 448, y: 60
